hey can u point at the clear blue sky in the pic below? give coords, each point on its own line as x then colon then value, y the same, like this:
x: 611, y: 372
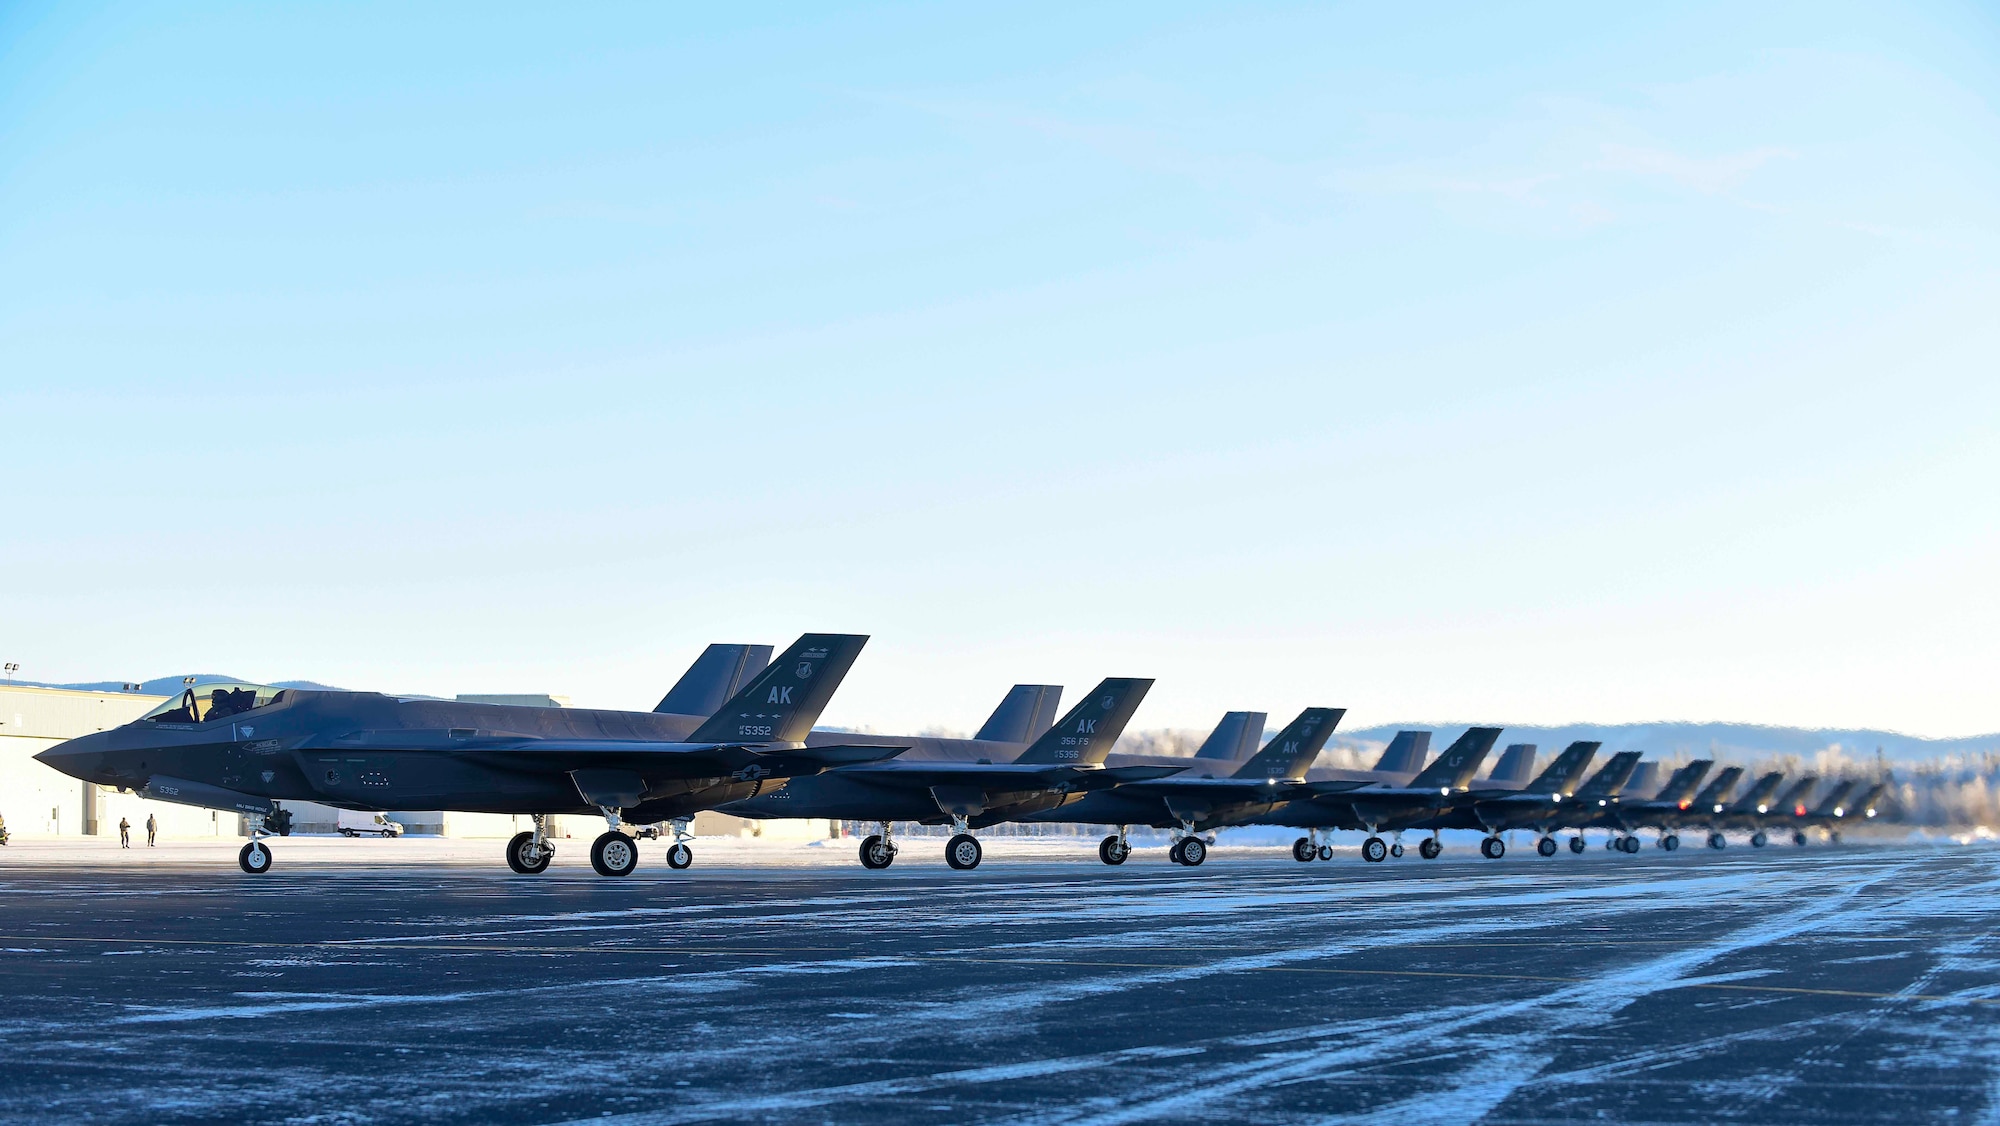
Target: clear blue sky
x: 1501, y: 363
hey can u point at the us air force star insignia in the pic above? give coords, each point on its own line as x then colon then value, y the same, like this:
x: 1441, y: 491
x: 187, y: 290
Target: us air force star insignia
x: 1106, y: 703
x: 805, y: 669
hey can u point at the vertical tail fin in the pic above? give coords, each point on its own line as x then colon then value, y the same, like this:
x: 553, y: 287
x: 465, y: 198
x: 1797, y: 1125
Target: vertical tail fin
x: 1086, y: 732
x: 1834, y: 799
x: 1024, y: 713
x: 1680, y: 788
x: 719, y: 673
x: 782, y: 703
x: 1455, y: 767
x: 1405, y: 754
x: 1794, y: 801
x: 1759, y: 794
x: 1291, y: 751
x: 1610, y: 781
x: 1563, y: 774
x: 1712, y: 798
x: 1516, y: 766
x: 1644, y: 783
x: 1235, y: 737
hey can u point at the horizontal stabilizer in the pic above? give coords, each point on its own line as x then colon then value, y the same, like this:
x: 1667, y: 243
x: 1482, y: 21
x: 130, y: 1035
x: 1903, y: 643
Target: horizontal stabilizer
x: 834, y: 754
x: 1024, y: 713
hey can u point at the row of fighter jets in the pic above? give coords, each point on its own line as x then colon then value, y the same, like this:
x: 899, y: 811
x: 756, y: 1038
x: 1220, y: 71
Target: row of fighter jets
x: 736, y: 734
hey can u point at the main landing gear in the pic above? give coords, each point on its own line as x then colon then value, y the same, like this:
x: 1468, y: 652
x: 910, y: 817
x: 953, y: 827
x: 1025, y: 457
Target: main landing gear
x: 1670, y: 841
x: 878, y: 851
x: 1546, y: 846
x: 1492, y: 848
x: 529, y: 853
x: 1430, y: 848
x: 962, y: 851
x: 1799, y: 837
x: 1576, y: 844
x: 1115, y: 848
x: 1717, y: 840
x: 613, y: 853
x: 1375, y: 850
x: 1308, y: 848
x: 1189, y: 852
x: 1758, y: 839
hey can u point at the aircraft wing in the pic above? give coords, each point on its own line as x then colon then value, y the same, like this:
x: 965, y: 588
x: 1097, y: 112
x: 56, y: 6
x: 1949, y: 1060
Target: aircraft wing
x: 1217, y: 789
x: 1001, y: 777
x: 694, y: 758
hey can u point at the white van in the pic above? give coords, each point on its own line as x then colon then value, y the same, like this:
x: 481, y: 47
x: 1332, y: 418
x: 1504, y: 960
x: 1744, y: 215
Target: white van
x: 354, y: 824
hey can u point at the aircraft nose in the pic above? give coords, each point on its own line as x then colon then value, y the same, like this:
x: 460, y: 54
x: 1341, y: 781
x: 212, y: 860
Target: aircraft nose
x: 78, y: 758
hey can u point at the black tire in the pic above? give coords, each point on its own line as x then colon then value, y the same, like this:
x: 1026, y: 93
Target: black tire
x: 1326, y: 852
x: 1303, y: 850
x: 1799, y: 837
x: 1670, y: 842
x: 255, y: 858
x: 1758, y: 839
x: 1396, y: 850
x: 1374, y: 850
x: 680, y: 856
x: 1429, y: 848
x: 1194, y: 850
x: 1629, y: 846
x: 1108, y: 850
x: 514, y: 852
x: 348, y: 833
x: 1174, y: 852
x: 614, y: 854
x: 1546, y: 846
x: 963, y: 852
x: 1717, y: 840
x: 876, y: 854
x: 1576, y: 845
x: 1492, y: 848
x: 1832, y: 837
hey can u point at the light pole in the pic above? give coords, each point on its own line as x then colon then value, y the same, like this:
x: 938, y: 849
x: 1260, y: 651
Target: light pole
x: 12, y: 668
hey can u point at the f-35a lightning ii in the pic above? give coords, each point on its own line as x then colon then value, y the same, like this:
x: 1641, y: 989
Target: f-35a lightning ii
x: 1379, y: 807
x: 1191, y: 806
x: 1065, y: 762
x: 248, y: 747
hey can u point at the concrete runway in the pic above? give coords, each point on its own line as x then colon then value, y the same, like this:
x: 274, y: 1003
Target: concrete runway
x: 1815, y: 985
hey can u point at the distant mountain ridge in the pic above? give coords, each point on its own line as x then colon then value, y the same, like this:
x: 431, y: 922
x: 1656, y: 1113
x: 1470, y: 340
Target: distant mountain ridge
x: 172, y: 685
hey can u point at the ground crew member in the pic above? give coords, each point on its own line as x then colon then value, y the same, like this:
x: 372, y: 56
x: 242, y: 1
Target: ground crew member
x: 124, y: 833
x: 152, y: 830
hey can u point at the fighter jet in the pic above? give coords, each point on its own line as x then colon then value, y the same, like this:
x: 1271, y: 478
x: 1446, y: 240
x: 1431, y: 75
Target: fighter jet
x: 1661, y: 811
x: 1537, y: 806
x: 1066, y: 762
x: 1379, y: 806
x: 1832, y: 813
x: 247, y: 747
x: 1830, y: 807
x: 1736, y: 814
x: 1191, y: 804
x: 1596, y: 802
x: 1788, y: 808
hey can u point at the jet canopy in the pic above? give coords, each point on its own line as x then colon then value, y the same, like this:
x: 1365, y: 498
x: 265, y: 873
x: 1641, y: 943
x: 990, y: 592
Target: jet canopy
x: 205, y: 702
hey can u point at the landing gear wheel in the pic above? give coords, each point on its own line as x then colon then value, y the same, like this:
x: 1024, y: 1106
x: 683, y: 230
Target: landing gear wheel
x: 876, y: 855
x: 679, y: 856
x: 1174, y: 851
x: 1833, y: 838
x: 962, y: 852
x: 1326, y: 852
x: 517, y: 855
x: 614, y: 854
x: 1576, y: 845
x: 1193, y: 851
x: 1113, y: 851
x: 1429, y: 848
x: 1546, y: 846
x: 1374, y: 851
x: 255, y: 858
x: 1799, y: 837
x: 1716, y: 840
x: 1493, y: 848
x: 1396, y: 850
x: 1303, y: 850
x: 1628, y: 845
x: 1758, y: 839
x: 1670, y: 842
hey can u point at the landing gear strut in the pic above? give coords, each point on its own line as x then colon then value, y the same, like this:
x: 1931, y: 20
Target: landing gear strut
x: 1190, y: 850
x: 1115, y: 848
x: 680, y: 855
x: 613, y: 853
x: 255, y: 857
x: 530, y: 853
x: 878, y: 850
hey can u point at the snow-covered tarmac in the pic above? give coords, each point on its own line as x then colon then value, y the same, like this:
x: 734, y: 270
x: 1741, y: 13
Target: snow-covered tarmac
x: 419, y: 981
